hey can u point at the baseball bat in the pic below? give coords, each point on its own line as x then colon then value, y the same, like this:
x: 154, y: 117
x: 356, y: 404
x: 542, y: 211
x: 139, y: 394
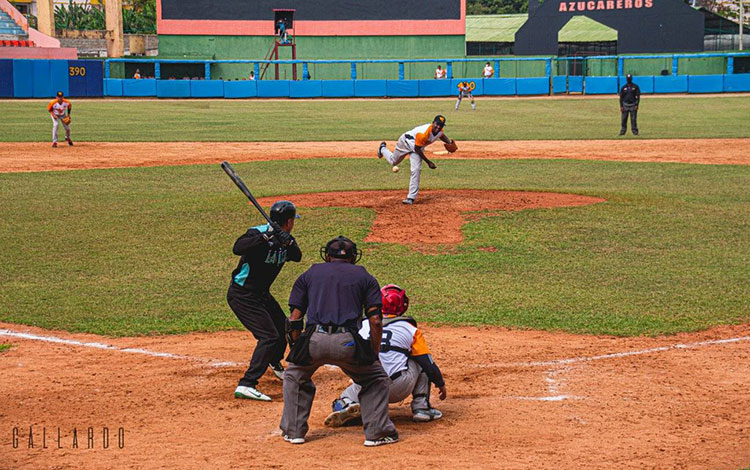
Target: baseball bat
x: 241, y: 184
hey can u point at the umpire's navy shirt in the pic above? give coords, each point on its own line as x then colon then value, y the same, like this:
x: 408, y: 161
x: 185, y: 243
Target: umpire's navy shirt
x: 335, y: 293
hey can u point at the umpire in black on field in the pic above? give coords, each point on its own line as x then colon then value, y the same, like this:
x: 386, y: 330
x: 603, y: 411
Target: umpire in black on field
x: 630, y: 97
x: 334, y: 296
x: 263, y: 250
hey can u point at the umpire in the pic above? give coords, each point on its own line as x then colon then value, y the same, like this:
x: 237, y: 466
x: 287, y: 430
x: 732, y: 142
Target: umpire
x: 263, y: 250
x: 334, y: 295
x: 630, y: 96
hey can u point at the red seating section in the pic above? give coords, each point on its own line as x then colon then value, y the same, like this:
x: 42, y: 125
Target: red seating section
x: 11, y: 43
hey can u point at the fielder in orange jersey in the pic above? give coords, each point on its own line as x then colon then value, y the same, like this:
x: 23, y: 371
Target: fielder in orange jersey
x: 464, y: 91
x: 405, y: 358
x: 412, y: 143
x: 60, y: 110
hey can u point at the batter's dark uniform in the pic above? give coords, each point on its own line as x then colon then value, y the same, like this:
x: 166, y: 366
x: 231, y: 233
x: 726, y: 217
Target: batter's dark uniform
x: 249, y: 297
x: 334, y: 296
x: 630, y: 97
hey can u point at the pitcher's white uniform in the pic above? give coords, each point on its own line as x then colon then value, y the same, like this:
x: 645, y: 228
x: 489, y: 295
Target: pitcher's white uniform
x: 420, y: 136
x: 59, y: 110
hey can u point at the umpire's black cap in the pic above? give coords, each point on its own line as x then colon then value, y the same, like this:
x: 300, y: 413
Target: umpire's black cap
x: 341, y: 248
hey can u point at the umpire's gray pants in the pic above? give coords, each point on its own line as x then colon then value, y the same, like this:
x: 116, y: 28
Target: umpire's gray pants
x: 299, y: 389
x: 413, y: 381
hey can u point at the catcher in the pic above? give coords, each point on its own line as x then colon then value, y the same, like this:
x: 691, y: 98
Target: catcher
x: 405, y: 358
x: 60, y: 110
x: 412, y: 143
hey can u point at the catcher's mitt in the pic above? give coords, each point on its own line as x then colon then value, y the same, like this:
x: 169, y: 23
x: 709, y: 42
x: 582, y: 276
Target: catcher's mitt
x: 66, y: 120
x: 452, y: 147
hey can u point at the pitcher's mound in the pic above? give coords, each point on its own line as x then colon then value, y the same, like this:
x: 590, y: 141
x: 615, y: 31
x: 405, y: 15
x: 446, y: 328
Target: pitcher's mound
x: 437, y: 216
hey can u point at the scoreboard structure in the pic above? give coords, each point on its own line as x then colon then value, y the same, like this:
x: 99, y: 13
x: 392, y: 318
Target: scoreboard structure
x: 313, y: 18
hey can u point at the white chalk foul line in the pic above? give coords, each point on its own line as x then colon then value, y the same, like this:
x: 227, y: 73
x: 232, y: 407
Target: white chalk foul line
x: 110, y: 347
x: 573, y: 360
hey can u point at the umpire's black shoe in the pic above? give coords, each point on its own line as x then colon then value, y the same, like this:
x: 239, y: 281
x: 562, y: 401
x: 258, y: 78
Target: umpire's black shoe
x: 622, y: 132
x: 393, y: 438
x: 635, y: 132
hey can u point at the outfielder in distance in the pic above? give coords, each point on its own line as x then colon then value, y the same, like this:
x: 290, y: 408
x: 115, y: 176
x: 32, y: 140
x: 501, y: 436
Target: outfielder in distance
x: 412, y: 143
x: 464, y: 91
x: 60, y: 110
x: 405, y: 358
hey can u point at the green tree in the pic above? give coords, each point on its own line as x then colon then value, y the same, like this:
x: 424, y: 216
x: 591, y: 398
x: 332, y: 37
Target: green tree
x: 496, y: 7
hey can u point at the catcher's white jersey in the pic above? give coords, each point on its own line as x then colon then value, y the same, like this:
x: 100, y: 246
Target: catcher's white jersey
x: 399, y: 334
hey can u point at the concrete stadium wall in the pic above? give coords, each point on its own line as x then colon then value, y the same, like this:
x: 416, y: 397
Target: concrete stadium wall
x: 421, y: 88
x: 655, y: 66
x: 317, y: 48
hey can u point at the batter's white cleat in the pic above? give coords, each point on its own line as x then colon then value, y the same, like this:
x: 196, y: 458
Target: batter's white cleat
x: 380, y: 149
x: 250, y: 393
x: 423, y: 416
x: 408, y: 201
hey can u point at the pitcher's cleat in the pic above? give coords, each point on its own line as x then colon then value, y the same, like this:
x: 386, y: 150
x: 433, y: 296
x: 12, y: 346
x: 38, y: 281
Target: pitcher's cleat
x: 380, y: 149
x: 250, y: 393
x: 408, y: 200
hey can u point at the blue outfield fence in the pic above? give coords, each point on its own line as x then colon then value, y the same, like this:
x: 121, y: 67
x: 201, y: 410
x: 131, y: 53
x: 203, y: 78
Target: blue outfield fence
x: 27, y: 78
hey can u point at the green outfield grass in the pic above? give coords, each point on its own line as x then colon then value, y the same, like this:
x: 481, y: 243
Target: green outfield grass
x: 148, y: 250
x: 286, y: 120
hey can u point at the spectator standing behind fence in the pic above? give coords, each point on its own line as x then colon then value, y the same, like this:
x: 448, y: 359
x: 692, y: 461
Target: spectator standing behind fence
x: 439, y: 73
x: 282, y: 32
x: 630, y: 97
x: 488, y: 71
x: 252, y: 75
x: 137, y: 74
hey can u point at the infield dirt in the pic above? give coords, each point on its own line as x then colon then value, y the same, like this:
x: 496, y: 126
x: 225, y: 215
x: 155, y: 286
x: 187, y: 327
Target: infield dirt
x: 23, y: 156
x: 682, y: 407
x: 607, y: 403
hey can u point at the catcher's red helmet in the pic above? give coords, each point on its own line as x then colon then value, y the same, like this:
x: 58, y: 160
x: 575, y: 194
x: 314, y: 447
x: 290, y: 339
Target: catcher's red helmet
x: 395, y: 300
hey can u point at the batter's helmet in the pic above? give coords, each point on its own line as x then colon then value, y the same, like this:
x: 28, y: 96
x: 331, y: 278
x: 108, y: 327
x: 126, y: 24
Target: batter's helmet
x: 395, y: 300
x: 281, y: 211
x: 341, y: 248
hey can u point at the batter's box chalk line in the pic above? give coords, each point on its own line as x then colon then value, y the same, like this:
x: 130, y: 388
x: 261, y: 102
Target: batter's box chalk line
x: 576, y: 360
x: 555, y: 370
x: 110, y: 347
